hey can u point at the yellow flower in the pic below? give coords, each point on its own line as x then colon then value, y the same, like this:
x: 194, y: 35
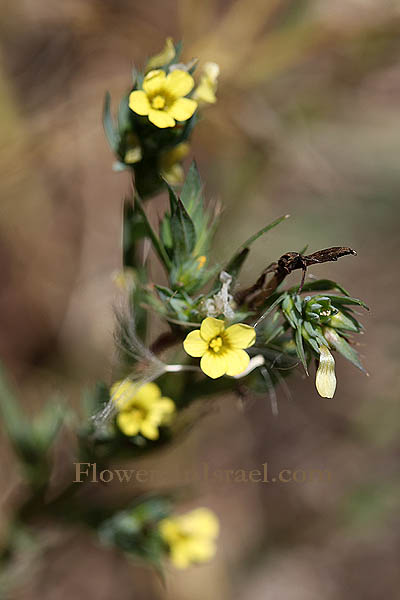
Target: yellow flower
x: 325, y: 380
x: 190, y: 537
x: 141, y: 409
x: 171, y: 169
x: 162, y: 98
x: 162, y: 58
x: 221, y: 349
x: 205, y: 91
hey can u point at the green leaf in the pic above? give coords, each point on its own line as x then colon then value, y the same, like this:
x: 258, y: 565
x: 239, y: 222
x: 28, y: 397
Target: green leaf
x: 191, y: 195
x: 157, y: 244
x: 109, y: 126
x: 124, y: 113
x: 265, y: 229
x: 48, y: 423
x: 313, y: 335
x: 165, y: 233
x: 288, y: 308
x: 320, y: 285
x: 234, y: 265
x: 269, y: 310
x: 182, y: 229
x: 239, y: 257
x: 300, y: 348
x: 346, y: 300
x: 339, y: 343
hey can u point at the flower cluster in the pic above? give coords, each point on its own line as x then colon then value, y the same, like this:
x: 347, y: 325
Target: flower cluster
x: 156, y: 118
x: 202, y: 314
x: 314, y: 326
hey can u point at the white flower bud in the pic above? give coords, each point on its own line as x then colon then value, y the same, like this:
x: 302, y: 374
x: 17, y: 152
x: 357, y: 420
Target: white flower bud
x: 325, y: 380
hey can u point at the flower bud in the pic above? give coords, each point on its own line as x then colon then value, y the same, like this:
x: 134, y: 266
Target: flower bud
x: 325, y: 380
x: 341, y: 321
x: 319, y: 309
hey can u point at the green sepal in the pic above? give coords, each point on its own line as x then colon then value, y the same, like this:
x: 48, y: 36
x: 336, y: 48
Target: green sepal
x: 340, y: 344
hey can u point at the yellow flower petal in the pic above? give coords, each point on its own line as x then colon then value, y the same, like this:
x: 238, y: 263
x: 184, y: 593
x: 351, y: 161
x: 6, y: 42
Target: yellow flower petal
x: 139, y: 103
x: 213, y: 364
x: 190, y: 537
x: 154, y: 81
x: 236, y: 361
x: 164, y: 57
x: 169, y: 530
x: 203, y: 522
x: 149, y: 431
x: 325, y: 380
x: 194, y: 344
x: 180, y: 557
x: 123, y: 393
x: 166, y: 405
x: 179, y: 83
x: 161, y: 119
x: 182, y: 109
x: 201, y: 550
x: 129, y: 422
x: 211, y: 328
x: 205, y: 91
x: 148, y: 393
x: 240, y: 335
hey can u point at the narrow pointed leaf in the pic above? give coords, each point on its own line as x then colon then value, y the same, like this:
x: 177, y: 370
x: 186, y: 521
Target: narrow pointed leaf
x: 300, y: 348
x: 320, y: 285
x: 346, y: 300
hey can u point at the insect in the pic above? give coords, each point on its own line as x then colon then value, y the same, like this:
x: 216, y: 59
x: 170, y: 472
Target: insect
x: 255, y: 295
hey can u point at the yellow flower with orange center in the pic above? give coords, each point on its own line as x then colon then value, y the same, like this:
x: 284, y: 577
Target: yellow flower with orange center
x: 162, y: 98
x: 221, y: 350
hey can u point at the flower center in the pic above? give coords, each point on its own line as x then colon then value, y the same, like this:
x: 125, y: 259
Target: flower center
x: 158, y: 102
x: 139, y: 412
x: 216, y: 344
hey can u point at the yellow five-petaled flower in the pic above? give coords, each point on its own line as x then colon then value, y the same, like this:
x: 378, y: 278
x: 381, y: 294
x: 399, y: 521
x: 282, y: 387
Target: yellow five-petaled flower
x: 141, y: 409
x: 221, y: 350
x: 162, y: 97
x: 190, y: 537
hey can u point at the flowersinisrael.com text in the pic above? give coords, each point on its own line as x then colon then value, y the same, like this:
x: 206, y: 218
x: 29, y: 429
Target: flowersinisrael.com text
x: 89, y: 472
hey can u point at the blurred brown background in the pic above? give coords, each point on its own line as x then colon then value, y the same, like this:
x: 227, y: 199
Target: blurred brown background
x: 307, y: 123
